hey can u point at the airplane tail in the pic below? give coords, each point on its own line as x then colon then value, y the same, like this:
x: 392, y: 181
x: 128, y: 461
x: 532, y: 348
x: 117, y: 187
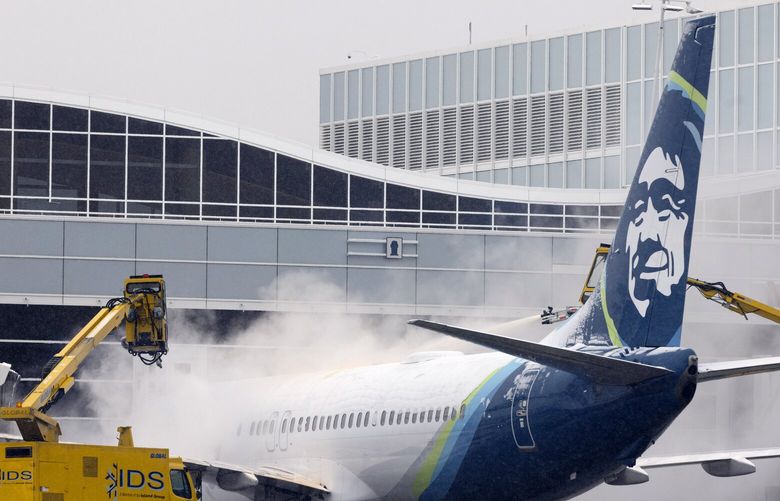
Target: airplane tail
x: 640, y: 298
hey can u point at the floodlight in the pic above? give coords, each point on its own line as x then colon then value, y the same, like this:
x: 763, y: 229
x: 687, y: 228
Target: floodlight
x: 642, y: 6
x: 674, y: 8
x: 690, y: 9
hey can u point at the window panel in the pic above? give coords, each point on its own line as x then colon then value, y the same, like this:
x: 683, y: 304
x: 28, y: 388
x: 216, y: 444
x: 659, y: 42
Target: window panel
x: 548, y: 209
x: 256, y: 213
x: 432, y: 82
x: 293, y: 214
x: 593, y: 173
x: 172, y: 130
x: 435, y: 201
x: 330, y: 214
x: 5, y: 167
x: 33, y: 116
x: 367, y: 96
x: 501, y: 176
x: 227, y: 212
x: 632, y: 162
x: 593, y: 58
x: 510, y: 207
x: 651, y: 42
x: 402, y: 197
x: 484, y: 73
x: 366, y: 193
x: 415, y: 84
x: 144, y: 168
x: 399, y: 87
x: 5, y: 113
x: 633, y: 48
x: 466, y: 77
x: 612, y: 55
x: 520, y: 176
x: 501, y: 73
x: 353, y: 93
x: 555, y: 64
x: 182, y: 170
x: 450, y: 79
x: 144, y: 208
x: 764, y: 148
x: 71, y: 119
x: 107, y: 122
x: 574, y: 61
x: 470, y: 204
x: 477, y: 220
x: 182, y: 210
x: 536, y: 175
x: 325, y: 93
x: 633, y: 113
x: 726, y: 101
x: 745, y: 150
x: 538, y: 65
x: 707, y: 157
x: 409, y: 218
x: 745, y: 99
x: 338, y: 96
x: 766, y: 32
x: 574, y: 174
x: 257, y: 176
x: 611, y: 172
x: 746, y: 36
x: 293, y: 181
x: 519, y: 69
x: 726, y: 155
x: 726, y: 38
x: 765, y: 103
x: 220, y: 170
x: 383, y: 90
x: 555, y: 175
x: 69, y: 166
x: 330, y: 187
x: 671, y: 40
x: 138, y: 126
x: 107, y: 169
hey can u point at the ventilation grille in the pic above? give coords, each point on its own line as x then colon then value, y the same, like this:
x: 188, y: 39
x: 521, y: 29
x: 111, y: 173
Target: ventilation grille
x: 556, y: 123
x: 519, y: 127
x: 501, y: 149
x: 575, y: 120
x: 484, y: 132
x: 399, y: 141
x: 338, y: 138
x: 450, y: 130
x: 383, y: 141
x: 432, y: 139
x: 466, y: 134
x: 52, y: 496
x: 593, y: 118
x: 538, y: 125
x: 325, y: 136
x: 367, y: 151
x: 89, y: 466
x: 415, y: 140
x: 353, y: 137
x: 612, y: 116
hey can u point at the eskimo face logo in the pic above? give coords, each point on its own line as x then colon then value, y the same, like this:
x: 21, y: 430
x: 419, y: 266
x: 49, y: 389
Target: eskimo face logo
x: 655, y: 238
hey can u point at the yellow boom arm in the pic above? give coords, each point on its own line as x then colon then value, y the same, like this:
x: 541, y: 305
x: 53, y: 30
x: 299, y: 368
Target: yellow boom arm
x: 142, y: 308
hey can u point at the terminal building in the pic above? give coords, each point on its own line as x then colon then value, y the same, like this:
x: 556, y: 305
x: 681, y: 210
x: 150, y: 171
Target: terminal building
x: 468, y: 183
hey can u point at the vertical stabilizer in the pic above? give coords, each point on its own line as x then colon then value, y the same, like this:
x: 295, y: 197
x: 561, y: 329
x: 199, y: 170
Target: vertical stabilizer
x: 640, y: 298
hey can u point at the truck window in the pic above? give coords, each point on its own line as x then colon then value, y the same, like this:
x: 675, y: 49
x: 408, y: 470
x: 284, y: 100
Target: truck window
x: 179, y: 484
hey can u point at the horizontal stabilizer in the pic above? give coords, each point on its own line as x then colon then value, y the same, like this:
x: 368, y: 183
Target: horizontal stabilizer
x: 718, y: 464
x: 734, y: 368
x: 603, y: 370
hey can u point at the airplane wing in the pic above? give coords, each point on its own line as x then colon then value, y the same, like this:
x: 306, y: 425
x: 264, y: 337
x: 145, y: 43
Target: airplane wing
x: 718, y: 464
x: 246, y: 480
x: 721, y: 370
x: 603, y: 370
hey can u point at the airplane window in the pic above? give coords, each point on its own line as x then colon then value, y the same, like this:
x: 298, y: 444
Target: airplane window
x: 327, y: 425
x: 365, y: 420
x: 343, y: 420
x: 351, y: 418
x: 314, y: 424
x: 438, y: 414
x: 384, y: 415
x: 308, y: 419
x: 252, y: 428
x: 414, y: 417
x: 398, y: 417
x: 422, y: 416
x: 446, y: 413
x: 265, y: 427
x: 430, y: 415
x: 463, y: 411
x: 406, y: 417
x: 284, y: 426
x: 359, y: 420
x: 322, y: 422
x: 454, y: 413
x: 292, y: 425
x: 300, y: 424
x: 373, y: 420
x: 392, y: 415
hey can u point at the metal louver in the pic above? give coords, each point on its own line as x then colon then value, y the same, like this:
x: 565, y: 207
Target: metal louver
x: 415, y: 140
x: 432, y: 142
x: 612, y: 127
x: 574, y: 120
x: 450, y: 137
x: 353, y: 138
x: 556, y: 123
x: 593, y: 118
x: 325, y: 137
x: 399, y: 141
x: 466, y: 149
x: 383, y: 141
x: 367, y: 149
x: 538, y: 125
x: 484, y: 132
x: 501, y: 145
x: 519, y: 127
x: 338, y: 138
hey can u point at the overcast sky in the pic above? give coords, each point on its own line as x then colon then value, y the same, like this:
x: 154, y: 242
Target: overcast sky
x: 255, y: 63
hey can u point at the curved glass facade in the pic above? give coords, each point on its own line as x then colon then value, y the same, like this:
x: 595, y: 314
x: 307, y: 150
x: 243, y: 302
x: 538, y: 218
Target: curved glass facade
x: 66, y: 160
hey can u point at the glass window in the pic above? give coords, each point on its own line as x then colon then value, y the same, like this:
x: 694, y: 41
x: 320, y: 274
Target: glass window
x: 536, y: 175
x: 353, y: 93
x: 612, y: 172
x: 484, y: 73
x: 69, y: 165
x: 726, y: 155
x: 726, y: 39
x: 338, y: 96
x: 351, y: 419
x: 435, y: 201
x: 144, y: 168
x: 745, y: 151
x: 726, y: 101
x: 746, y: 35
x: 327, y: 423
x: 651, y: 102
x: 5, y: 167
x: 555, y: 175
x: 483, y: 176
x: 502, y: 72
x: 257, y: 176
x: 293, y: 181
x: 399, y: 87
x: 33, y: 116
x: 172, y: 130
x: 519, y: 69
x: 574, y: 62
x: 437, y: 417
x: 182, y: 169
x: 501, y: 176
x: 632, y: 162
x: 470, y: 204
x: 556, y: 64
x: 415, y: 84
x: 538, y: 65
x: 366, y: 193
x: 367, y: 97
x: 765, y: 103
x: 633, y: 54
x: 359, y: 420
x: 402, y: 197
x: 612, y: 55
x: 138, y: 126
x: 31, y: 164
x: 764, y: 148
x: 707, y: 157
x: 383, y: 418
x: 745, y: 99
x: 284, y: 426
x: 391, y: 418
x: 671, y: 40
x: 5, y: 114
x: 365, y: 420
x: 466, y: 77
x: 765, y: 32
x: 633, y: 114
x: 107, y: 167
x: 430, y: 415
x: 67, y: 118
x: 450, y: 78
x: 593, y: 173
x: 574, y: 174
x: 432, y: 82
x: 325, y: 93
x: 383, y: 90
x: 519, y: 176
x: 107, y: 122
x: 180, y: 485
x: 330, y: 187
x: 651, y: 42
x: 220, y: 170
x: 593, y: 58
